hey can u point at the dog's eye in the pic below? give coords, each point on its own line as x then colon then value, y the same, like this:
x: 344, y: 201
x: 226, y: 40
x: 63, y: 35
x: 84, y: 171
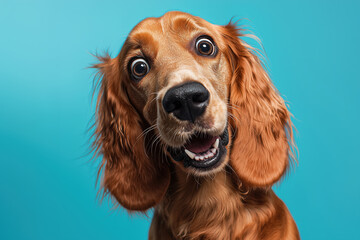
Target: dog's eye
x: 205, y: 46
x: 139, y: 68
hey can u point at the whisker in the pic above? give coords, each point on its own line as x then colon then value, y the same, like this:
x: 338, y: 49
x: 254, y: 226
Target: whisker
x: 154, y: 143
x: 146, y: 131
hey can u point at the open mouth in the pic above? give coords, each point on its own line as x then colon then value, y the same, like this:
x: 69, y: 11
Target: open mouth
x: 202, y: 152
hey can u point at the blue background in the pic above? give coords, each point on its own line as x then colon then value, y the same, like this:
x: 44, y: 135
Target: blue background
x: 47, y: 183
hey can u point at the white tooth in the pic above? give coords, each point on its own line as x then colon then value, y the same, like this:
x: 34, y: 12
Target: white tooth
x: 190, y: 154
x: 216, y: 144
x: 211, y: 155
x: 202, y: 158
x: 213, y: 150
x: 197, y: 158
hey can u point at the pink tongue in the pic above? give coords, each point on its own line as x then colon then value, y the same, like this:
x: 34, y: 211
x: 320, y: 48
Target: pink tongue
x: 200, y: 144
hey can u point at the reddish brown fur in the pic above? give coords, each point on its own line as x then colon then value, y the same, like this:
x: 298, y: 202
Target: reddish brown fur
x: 234, y: 202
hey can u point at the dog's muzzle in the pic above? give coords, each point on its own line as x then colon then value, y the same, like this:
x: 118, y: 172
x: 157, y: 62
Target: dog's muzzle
x: 202, y: 151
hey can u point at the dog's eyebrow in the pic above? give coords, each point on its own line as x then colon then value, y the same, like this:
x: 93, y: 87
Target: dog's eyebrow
x: 184, y: 25
x: 145, y: 42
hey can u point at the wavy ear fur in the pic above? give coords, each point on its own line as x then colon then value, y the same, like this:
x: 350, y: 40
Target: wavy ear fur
x: 260, y: 151
x: 137, y: 181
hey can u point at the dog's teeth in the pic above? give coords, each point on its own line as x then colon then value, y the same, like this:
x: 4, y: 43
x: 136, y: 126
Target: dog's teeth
x: 209, y: 154
x: 216, y: 144
x: 190, y: 154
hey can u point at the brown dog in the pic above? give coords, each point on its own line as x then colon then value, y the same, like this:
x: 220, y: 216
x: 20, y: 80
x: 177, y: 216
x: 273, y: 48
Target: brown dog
x: 189, y: 122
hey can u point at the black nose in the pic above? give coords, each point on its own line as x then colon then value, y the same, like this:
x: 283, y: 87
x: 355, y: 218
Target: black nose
x: 186, y: 101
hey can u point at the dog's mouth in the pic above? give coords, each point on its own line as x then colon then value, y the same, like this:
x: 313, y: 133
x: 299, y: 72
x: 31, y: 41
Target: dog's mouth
x: 203, y: 151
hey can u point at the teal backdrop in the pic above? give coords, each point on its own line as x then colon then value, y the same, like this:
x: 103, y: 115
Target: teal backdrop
x: 47, y: 181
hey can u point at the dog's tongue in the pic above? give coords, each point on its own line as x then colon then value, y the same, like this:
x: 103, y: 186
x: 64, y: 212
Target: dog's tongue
x: 200, y: 144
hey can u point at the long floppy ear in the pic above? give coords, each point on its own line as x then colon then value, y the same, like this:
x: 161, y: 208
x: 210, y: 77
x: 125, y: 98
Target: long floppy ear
x: 261, y: 146
x: 137, y: 181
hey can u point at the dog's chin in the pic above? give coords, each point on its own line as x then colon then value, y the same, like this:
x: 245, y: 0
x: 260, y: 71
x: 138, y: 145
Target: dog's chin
x: 203, y: 154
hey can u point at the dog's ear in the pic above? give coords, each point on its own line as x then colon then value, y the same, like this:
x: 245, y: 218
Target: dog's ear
x: 136, y: 179
x: 261, y: 144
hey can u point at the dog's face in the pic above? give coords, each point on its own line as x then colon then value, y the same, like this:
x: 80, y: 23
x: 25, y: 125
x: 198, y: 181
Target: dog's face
x: 176, y: 66
x: 193, y: 93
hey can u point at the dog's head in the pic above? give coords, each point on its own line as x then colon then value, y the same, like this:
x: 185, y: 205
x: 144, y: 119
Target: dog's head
x: 186, y: 92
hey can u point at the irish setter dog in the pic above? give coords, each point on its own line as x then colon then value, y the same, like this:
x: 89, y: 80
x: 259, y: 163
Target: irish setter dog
x: 189, y: 123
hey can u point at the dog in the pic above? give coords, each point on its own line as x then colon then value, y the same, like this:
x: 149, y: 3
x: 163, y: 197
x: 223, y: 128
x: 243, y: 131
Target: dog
x: 189, y: 123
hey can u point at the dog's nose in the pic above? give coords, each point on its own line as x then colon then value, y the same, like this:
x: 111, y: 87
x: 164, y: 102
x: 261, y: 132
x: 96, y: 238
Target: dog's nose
x: 186, y: 101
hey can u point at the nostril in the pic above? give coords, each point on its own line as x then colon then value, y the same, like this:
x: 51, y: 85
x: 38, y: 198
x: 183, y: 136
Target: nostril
x: 172, y: 106
x: 200, y: 97
x: 171, y: 102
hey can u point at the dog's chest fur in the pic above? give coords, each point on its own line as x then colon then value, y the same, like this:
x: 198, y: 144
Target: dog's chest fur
x: 199, y: 210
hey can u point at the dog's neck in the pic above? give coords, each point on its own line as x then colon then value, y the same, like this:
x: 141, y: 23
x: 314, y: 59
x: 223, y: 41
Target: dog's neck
x: 214, y: 205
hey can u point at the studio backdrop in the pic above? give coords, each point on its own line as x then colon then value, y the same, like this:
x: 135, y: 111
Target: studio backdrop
x: 47, y: 174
